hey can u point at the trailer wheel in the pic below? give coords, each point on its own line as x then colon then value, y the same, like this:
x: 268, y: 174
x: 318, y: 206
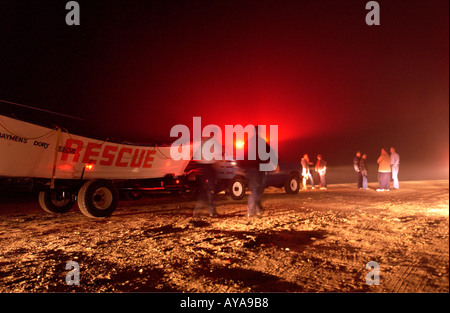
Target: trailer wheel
x: 237, y: 188
x: 56, y: 201
x: 292, y: 185
x: 98, y: 198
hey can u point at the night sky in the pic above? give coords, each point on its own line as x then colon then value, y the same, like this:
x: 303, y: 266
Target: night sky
x: 332, y: 84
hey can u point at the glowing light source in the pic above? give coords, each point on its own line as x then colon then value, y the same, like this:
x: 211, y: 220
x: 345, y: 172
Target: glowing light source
x: 89, y: 167
x: 240, y: 144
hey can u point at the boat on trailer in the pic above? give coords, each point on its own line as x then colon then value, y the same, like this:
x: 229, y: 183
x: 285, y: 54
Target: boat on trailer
x: 68, y: 168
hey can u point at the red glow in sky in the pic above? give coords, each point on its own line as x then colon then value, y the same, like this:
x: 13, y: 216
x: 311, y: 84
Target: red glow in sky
x: 134, y: 69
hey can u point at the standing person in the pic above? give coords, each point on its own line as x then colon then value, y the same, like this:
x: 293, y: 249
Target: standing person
x: 356, y: 166
x: 208, y: 172
x: 255, y: 176
x: 321, y: 170
x: 364, y: 171
x: 384, y: 171
x: 306, y: 173
x: 395, y: 163
x: 207, y: 183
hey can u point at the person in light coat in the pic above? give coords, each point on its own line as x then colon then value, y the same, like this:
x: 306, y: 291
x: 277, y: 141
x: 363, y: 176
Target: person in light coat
x: 364, y: 171
x: 395, y: 163
x: 384, y: 171
x: 306, y: 173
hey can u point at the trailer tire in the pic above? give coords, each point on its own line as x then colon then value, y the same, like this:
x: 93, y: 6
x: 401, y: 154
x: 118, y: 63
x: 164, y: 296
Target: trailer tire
x: 237, y: 188
x: 292, y: 185
x: 56, y: 201
x: 98, y: 198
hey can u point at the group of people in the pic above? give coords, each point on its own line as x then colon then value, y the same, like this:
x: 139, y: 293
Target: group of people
x: 388, y: 166
x: 320, y: 168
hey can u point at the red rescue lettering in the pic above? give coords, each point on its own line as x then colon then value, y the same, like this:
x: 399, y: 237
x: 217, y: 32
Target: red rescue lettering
x: 119, y: 162
x: 107, y: 154
x: 107, y: 157
x: 149, y: 159
x: 135, y: 162
x: 91, y: 153
x: 68, y: 146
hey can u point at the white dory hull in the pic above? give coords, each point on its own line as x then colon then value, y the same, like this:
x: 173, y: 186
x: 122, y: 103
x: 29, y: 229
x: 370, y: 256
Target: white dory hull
x: 29, y: 150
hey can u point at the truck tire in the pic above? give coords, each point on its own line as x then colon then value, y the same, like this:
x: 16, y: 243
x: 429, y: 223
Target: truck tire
x: 292, y: 185
x: 237, y: 188
x: 98, y: 198
x: 56, y: 201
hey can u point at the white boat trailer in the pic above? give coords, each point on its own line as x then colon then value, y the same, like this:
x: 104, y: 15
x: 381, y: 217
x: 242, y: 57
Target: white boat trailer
x: 68, y: 168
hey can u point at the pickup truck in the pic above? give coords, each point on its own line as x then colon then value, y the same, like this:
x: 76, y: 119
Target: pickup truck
x: 232, y: 179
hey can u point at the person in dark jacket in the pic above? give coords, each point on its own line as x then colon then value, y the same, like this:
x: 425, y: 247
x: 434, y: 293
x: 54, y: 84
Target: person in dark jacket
x: 364, y: 171
x: 321, y: 170
x: 207, y: 172
x: 356, y: 166
x: 255, y: 176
